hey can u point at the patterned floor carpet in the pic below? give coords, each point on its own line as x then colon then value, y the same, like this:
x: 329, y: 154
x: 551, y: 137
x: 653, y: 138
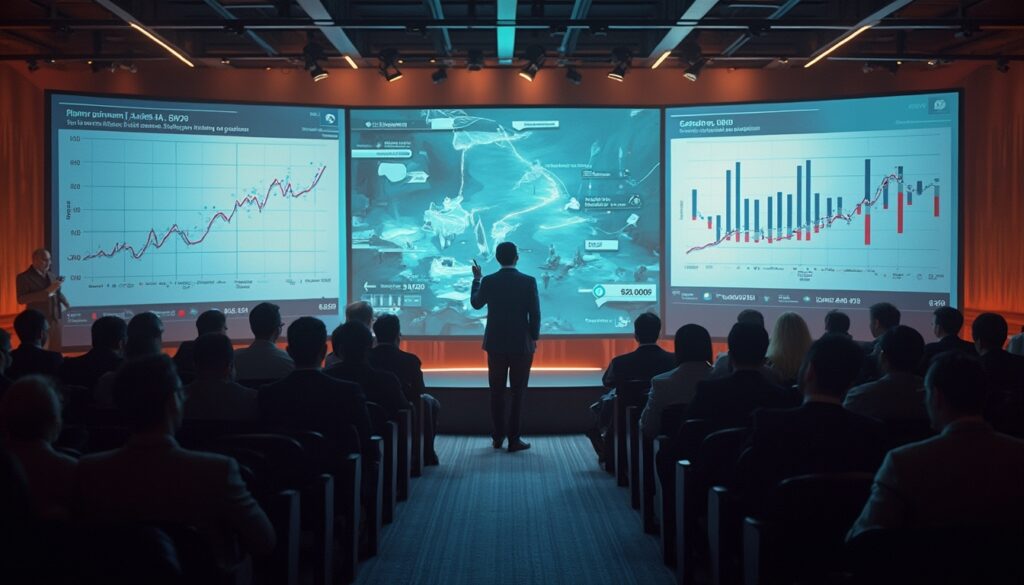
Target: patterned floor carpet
x: 544, y: 516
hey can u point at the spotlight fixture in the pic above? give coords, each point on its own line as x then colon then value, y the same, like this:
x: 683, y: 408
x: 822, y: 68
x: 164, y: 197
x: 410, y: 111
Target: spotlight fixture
x: 1003, y: 65
x: 439, y: 76
x: 574, y: 76
x: 312, y: 54
x: 318, y: 73
x: 475, y: 60
x: 933, y: 62
x: 622, y: 59
x: 387, y: 67
x: 32, y: 64
x: 784, y: 60
x: 692, y: 72
x: 225, y: 61
x: 535, y: 56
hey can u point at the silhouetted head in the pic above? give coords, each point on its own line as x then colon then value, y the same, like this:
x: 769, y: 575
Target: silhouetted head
x: 751, y: 316
x: 145, y: 335
x: 837, y: 323
x: 265, y: 322
x: 387, y: 328
x: 693, y: 344
x: 789, y: 342
x: 148, y: 393
x: 955, y: 387
x: 31, y: 327
x: 109, y: 332
x: 831, y: 366
x: 212, y: 321
x: 989, y: 331
x: 506, y: 254
x: 748, y: 343
x: 30, y: 410
x: 884, y: 316
x: 947, y: 321
x: 360, y: 311
x: 352, y: 341
x: 646, y: 328
x: 902, y: 349
x: 214, y: 355
x: 307, y: 342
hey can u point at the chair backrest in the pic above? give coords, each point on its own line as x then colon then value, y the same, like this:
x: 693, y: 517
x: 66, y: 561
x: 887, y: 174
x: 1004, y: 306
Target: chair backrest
x: 688, y: 438
x: 378, y: 417
x: 718, y: 454
x: 672, y: 417
x: 633, y: 392
x: 196, y: 434
x: 285, y: 462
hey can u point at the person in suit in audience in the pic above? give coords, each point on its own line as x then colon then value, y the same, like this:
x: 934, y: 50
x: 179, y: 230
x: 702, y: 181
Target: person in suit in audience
x: 1016, y: 345
x: 643, y: 363
x: 510, y: 339
x: 884, y: 316
x: 693, y: 355
x: 30, y: 357
x: 109, y: 334
x: 722, y: 366
x: 352, y: 342
x: 214, y: 395
x: 388, y: 356
x: 819, y: 436
x: 837, y: 323
x: 967, y: 475
x: 38, y: 288
x: 212, y: 321
x: 899, y: 393
x: 1004, y: 372
x: 308, y: 399
x: 5, y: 360
x: 358, y: 312
x: 787, y: 347
x: 30, y: 421
x: 729, y: 401
x: 153, y: 480
x: 946, y: 325
x: 263, y: 360
x: 145, y: 337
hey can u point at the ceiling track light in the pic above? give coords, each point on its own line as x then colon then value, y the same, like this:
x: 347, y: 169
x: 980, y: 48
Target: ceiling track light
x: 313, y: 53
x: 692, y: 72
x: 387, y: 67
x: 1003, y: 65
x: 475, y: 60
x: 661, y: 59
x: 351, y: 62
x: 32, y: 64
x: 535, y: 55
x: 622, y: 59
x: 573, y: 76
x: 849, y: 37
x: 439, y: 76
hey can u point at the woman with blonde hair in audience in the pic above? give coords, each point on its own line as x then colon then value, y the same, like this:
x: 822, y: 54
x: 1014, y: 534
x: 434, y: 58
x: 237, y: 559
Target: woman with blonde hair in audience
x: 790, y: 341
x: 30, y: 422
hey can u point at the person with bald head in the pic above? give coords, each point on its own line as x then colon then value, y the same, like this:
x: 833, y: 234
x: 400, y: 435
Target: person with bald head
x: 38, y: 288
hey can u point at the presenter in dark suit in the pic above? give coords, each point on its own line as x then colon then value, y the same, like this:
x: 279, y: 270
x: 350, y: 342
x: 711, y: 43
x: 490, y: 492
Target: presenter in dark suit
x: 39, y: 289
x: 510, y: 338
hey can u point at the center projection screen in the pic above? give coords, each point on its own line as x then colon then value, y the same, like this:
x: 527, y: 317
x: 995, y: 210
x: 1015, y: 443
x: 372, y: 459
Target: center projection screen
x: 577, y: 190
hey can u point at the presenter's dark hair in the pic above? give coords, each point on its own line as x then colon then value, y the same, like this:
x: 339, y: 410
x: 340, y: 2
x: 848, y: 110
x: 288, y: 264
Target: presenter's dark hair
x: 506, y: 253
x: 264, y: 319
x: 29, y: 325
x: 750, y: 316
x: 950, y: 320
x: 960, y: 379
x: 837, y: 322
x: 988, y: 328
x: 837, y: 361
x: 647, y: 327
x: 142, y: 388
x: 108, y: 332
x: 212, y: 321
x: 903, y: 347
x: 387, y: 328
x: 307, y: 337
x: 693, y: 344
x: 886, y: 314
x: 213, y: 352
x: 748, y: 344
x: 351, y: 340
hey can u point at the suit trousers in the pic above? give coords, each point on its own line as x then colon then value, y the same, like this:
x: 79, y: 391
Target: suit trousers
x: 55, y: 339
x: 515, y: 367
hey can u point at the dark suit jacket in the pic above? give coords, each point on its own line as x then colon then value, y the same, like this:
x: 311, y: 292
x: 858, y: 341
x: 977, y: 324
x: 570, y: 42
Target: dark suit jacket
x: 513, y: 311
x: 729, y: 401
x: 403, y: 364
x: 815, y: 437
x: 185, y: 361
x: 379, y: 386
x: 30, y: 290
x: 29, y: 359
x: 643, y: 363
x: 85, y: 370
x: 1005, y: 371
x: 313, y: 401
x: 947, y: 343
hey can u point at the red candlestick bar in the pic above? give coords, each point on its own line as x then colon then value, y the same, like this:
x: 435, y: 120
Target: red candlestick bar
x: 899, y: 212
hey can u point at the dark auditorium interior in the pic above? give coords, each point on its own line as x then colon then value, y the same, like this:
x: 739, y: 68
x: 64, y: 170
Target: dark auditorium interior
x: 511, y: 292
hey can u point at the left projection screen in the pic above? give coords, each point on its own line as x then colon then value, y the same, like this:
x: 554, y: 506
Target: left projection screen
x: 180, y: 207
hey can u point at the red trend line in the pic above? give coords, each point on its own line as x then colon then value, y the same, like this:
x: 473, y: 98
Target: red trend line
x: 155, y: 241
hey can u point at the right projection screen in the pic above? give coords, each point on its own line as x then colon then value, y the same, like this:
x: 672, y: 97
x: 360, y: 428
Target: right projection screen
x: 812, y: 206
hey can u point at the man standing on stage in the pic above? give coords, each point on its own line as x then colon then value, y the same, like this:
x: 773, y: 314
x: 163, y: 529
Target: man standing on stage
x: 510, y: 338
x: 39, y: 289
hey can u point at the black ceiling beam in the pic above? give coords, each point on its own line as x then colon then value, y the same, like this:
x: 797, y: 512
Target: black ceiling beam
x: 745, y: 37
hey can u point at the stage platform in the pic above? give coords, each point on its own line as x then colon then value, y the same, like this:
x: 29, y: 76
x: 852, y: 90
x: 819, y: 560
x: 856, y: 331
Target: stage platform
x: 556, y: 402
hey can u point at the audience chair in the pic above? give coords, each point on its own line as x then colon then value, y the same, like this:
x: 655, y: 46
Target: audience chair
x: 418, y: 461
x: 629, y: 393
x: 682, y: 446
x: 388, y: 431
x: 405, y: 454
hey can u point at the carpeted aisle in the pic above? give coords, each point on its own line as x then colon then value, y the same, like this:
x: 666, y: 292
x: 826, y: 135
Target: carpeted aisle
x: 544, y: 516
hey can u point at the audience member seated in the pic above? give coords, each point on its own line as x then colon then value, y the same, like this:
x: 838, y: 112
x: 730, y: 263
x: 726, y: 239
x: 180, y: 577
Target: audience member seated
x: 729, y: 401
x: 359, y: 312
x: 153, y: 480
x: 263, y: 360
x: 352, y: 342
x: 308, y: 399
x: 946, y: 325
x: 1016, y: 345
x: 837, y: 323
x: 5, y: 360
x: 645, y: 362
x: 722, y: 366
x: 214, y: 395
x: 819, y: 436
x: 1004, y: 370
x: 883, y: 317
x: 968, y: 475
x: 790, y: 340
x: 899, y: 393
x: 145, y: 337
x: 212, y: 321
x: 30, y: 422
x: 109, y: 334
x: 30, y: 357
x: 693, y: 353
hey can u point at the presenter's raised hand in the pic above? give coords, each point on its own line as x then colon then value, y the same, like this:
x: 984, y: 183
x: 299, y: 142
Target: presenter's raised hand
x: 477, y: 271
x: 54, y: 286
